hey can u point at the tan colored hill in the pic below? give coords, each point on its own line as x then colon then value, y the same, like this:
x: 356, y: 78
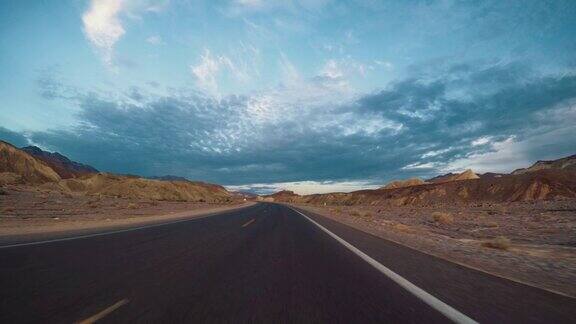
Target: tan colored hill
x: 18, y: 166
x: 284, y: 196
x: 538, y: 185
x: 466, y: 175
x: 133, y: 187
x: 404, y: 183
x: 567, y: 163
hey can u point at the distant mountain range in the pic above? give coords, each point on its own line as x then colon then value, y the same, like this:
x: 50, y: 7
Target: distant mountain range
x: 543, y: 180
x: 65, y: 167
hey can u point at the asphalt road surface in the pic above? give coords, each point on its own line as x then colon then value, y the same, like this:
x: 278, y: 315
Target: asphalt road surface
x: 264, y: 263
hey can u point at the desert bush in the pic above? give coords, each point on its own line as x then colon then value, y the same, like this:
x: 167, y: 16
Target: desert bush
x: 442, y: 217
x: 3, y: 192
x: 366, y: 214
x: 132, y: 206
x: 402, y: 228
x: 491, y: 224
x: 355, y: 213
x: 154, y: 203
x: 500, y: 243
x: 7, y: 210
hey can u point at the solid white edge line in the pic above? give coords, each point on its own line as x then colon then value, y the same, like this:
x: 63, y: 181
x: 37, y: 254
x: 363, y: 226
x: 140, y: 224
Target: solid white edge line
x: 427, y: 298
x: 70, y: 238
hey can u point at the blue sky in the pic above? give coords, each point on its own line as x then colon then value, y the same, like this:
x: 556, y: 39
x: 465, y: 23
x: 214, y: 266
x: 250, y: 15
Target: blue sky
x: 309, y: 95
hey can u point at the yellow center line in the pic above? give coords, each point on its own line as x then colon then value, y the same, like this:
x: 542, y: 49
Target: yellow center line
x: 100, y: 315
x: 249, y: 222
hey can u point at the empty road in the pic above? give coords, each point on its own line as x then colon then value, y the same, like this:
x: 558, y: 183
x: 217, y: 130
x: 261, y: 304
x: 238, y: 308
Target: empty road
x: 264, y: 263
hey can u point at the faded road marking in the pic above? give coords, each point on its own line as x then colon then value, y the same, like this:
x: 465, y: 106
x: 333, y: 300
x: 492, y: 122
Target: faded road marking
x: 103, y: 313
x: 447, y: 310
x: 249, y: 222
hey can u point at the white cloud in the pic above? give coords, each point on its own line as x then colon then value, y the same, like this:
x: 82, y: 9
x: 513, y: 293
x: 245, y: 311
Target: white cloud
x: 206, y: 72
x: 481, y: 140
x: 419, y: 165
x: 435, y: 153
x: 242, y: 67
x: 103, y: 27
x: 332, y: 70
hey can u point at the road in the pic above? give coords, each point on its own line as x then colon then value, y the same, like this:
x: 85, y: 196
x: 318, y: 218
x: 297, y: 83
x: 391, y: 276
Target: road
x: 263, y: 263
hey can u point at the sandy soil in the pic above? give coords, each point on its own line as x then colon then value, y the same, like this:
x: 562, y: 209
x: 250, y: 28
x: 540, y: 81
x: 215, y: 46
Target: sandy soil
x: 31, y: 213
x: 533, y: 243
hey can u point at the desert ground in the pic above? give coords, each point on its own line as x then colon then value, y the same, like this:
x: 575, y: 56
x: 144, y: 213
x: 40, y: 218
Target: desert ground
x: 529, y: 242
x: 32, y: 212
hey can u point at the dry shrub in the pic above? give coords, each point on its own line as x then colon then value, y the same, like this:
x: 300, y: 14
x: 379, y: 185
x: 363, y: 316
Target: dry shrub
x: 154, y: 203
x: 355, y: 213
x: 492, y: 224
x: 442, y: 218
x: 338, y: 210
x: 132, y: 206
x: 366, y: 214
x: 7, y: 210
x: 3, y: 192
x: 402, y: 228
x: 500, y: 243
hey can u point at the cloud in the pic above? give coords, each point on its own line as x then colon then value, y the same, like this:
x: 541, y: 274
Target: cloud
x: 206, y: 72
x: 13, y: 138
x: 103, y: 27
x: 312, y: 131
x: 242, y: 68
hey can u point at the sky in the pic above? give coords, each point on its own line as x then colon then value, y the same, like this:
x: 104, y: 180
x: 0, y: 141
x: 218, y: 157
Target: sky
x: 306, y: 95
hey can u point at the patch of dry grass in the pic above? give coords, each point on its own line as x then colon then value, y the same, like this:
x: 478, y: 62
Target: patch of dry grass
x: 500, y: 243
x: 443, y: 218
x: 132, y: 205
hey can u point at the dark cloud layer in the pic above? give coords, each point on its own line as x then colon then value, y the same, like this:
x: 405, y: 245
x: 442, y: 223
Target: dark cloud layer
x: 417, y: 126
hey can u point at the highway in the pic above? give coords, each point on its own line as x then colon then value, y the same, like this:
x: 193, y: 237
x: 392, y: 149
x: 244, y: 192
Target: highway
x: 266, y: 263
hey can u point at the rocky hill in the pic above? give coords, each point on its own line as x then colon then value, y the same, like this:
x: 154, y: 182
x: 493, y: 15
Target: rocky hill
x: 567, y: 163
x: 132, y: 187
x: 17, y: 166
x: 404, y: 183
x: 466, y: 175
x: 555, y: 181
x: 541, y: 185
x: 65, y: 167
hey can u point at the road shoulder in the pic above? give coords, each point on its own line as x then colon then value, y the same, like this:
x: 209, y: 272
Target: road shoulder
x: 17, y: 235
